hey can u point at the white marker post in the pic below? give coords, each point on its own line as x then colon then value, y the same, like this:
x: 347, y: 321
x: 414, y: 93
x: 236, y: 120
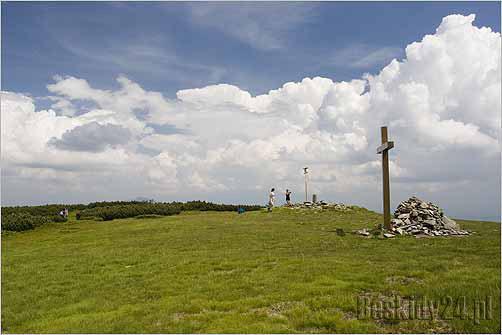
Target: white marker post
x: 305, y: 173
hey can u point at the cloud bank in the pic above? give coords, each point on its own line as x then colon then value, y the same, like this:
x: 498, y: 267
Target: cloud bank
x: 442, y: 104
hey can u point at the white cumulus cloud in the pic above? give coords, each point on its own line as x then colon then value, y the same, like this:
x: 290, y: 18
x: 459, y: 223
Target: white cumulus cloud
x: 441, y: 102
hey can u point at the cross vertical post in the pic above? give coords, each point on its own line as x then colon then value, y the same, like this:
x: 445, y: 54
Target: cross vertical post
x: 384, y: 150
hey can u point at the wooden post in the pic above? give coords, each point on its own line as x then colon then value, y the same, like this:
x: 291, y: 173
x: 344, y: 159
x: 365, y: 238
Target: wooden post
x: 384, y: 150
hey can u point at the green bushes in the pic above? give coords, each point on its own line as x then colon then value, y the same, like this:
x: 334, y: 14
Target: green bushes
x: 58, y: 218
x: 114, y: 203
x: 22, y: 221
x: 130, y: 210
x: 22, y: 218
x: 44, y: 210
x: 209, y: 206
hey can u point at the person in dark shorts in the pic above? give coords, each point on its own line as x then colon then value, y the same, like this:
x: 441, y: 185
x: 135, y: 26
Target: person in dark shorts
x: 288, y: 197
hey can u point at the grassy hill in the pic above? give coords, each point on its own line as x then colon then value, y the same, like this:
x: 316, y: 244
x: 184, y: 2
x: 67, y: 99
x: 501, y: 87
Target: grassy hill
x: 220, y: 272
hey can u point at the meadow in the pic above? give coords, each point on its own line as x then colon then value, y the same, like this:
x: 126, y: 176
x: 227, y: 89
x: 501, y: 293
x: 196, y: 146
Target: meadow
x: 222, y: 272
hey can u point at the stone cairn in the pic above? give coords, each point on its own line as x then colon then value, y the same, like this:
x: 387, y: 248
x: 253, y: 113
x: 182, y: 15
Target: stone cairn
x: 320, y: 205
x: 417, y: 217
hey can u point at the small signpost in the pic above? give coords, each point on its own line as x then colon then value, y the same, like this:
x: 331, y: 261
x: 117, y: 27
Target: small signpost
x: 384, y: 150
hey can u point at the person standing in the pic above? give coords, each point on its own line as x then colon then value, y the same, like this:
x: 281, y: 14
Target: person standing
x: 288, y: 197
x: 271, y: 199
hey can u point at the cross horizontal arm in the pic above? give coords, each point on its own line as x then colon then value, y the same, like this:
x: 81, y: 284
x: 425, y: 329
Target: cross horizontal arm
x: 386, y: 146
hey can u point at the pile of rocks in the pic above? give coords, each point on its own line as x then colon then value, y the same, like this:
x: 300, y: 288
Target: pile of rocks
x: 320, y: 205
x: 417, y: 217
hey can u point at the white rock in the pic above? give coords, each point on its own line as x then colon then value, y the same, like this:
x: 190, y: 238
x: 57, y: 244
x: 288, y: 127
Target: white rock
x: 449, y: 223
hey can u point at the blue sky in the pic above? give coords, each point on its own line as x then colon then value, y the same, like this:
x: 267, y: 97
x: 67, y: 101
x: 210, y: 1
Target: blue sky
x: 170, y: 46
x: 111, y: 101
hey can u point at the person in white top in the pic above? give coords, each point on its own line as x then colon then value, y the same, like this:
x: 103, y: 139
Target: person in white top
x: 271, y: 199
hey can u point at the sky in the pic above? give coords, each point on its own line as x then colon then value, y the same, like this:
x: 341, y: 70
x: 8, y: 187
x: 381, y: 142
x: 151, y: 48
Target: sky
x: 222, y: 101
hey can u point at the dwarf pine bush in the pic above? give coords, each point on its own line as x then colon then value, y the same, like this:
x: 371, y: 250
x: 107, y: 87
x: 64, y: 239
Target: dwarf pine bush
x: 130, y: 210
x: 122, y: 210
x: 20, y: 218
x: 22, y: 221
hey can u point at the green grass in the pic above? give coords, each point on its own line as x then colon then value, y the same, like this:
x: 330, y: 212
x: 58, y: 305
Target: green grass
x: 219, y: 272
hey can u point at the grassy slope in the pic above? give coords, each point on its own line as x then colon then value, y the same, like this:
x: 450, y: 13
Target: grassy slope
x: 209, y: 272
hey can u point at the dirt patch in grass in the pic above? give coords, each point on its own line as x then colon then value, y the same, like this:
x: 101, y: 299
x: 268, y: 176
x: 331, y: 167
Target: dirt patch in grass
x: 277, y: 309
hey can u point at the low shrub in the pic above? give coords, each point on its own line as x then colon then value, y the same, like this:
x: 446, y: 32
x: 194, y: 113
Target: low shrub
x: 142, y: 209
x: 23, y: 218
x: 58, y: 218
x: 44, y: 210
x: 130, y: 210
x: 114, y: 203
x: 20, y: 218
x: 22, y: 221
x: 209, y: 206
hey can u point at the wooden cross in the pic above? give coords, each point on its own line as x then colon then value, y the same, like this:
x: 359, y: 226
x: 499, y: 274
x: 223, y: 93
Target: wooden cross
x: 384, y: 150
